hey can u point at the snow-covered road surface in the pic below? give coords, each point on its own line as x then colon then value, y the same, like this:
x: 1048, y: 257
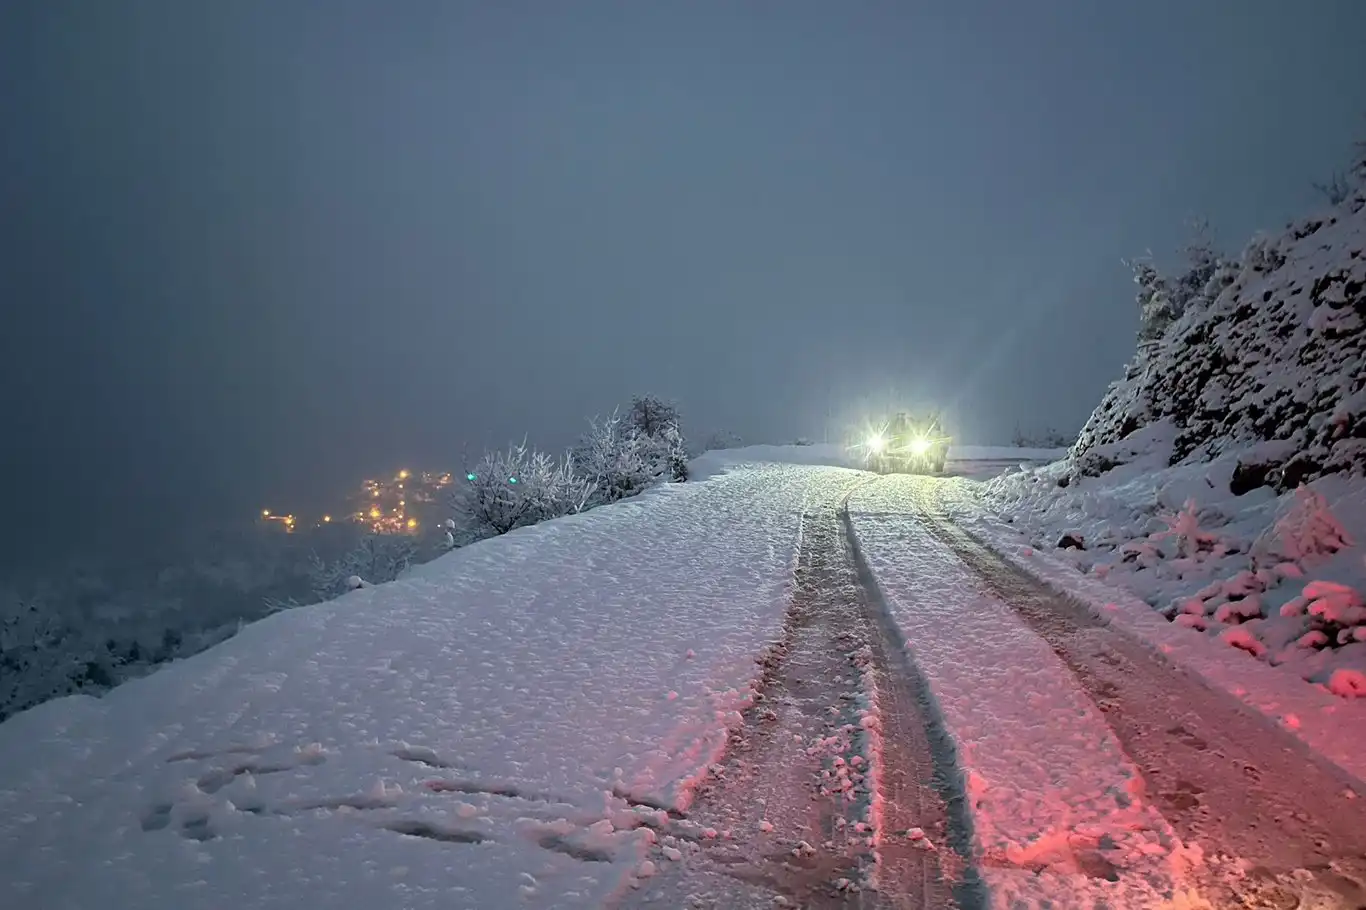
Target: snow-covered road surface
x: 782, y: 686
x: 1163, y: 751
x: 834, y: 791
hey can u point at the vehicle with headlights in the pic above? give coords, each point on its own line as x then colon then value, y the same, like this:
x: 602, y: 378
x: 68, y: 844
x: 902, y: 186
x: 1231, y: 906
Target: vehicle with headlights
x: 905, y: 445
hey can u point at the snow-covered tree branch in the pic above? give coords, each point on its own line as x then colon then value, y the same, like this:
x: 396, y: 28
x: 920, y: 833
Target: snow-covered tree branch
x: 516, y: 488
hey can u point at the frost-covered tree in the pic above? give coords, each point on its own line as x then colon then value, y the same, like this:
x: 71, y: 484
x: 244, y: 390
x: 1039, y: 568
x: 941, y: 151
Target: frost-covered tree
x: 651, y: 416
x: 668, y: 452
x: 1203, y: 263
x: 659, y: 423
x: 36, y: 660
x: 1336, y: 189
x: 622, y: 460
x: 1162, y: 299
x: 516, y: 488
x: 616, y: 458
x: 1155, y: 308
x: 376, y: 558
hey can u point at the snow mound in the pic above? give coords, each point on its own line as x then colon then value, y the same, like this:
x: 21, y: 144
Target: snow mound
x: 1280, y: 577
x: 1278, y: 356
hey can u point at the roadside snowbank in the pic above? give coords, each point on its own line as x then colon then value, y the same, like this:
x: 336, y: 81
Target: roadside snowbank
x: 454, y: 738
x: 1279, y: 577
x: 1328, y: 724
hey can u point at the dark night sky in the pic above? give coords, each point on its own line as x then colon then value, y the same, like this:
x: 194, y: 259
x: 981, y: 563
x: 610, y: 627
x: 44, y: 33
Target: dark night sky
x: 253, y: 250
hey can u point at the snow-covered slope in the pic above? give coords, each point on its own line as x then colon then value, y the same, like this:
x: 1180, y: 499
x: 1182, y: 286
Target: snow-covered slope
x: 1280, y: 355
x: 1278, y: 576
x: 454, y: 738
x: 1222, y: 479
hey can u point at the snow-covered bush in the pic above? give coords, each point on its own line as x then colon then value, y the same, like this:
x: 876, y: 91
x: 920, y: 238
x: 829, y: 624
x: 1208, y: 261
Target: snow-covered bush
x: 617, y: 459
x: 376, y: 558
x: 516, y: 488
x: 658, y: 422
x: 623, y: 455
x: 1162, y: 300
x: 668, y: 452
x: 1306, y: 532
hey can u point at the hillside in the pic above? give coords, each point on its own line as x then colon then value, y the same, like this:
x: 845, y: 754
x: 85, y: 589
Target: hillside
x: 1277, y: 357
x: 1223, y: 478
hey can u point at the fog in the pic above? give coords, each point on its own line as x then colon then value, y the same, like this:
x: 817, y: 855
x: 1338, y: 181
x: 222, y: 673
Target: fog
x: 251, y: 252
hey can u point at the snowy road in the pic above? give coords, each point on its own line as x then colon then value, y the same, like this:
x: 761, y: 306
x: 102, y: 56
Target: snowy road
x: 835, y: 791
x: 783, y: 686
x: 1049, y: 758
x: 1272, y: 824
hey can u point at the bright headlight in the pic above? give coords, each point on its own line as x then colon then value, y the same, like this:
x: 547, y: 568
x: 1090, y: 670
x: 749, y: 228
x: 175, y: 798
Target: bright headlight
x: 875, y: 443
x: 920, y: 446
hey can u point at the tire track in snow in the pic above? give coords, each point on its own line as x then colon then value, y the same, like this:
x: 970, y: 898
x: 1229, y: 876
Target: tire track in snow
x: 817, y: 799
x: 1278, y: 822
x: 918, y: 777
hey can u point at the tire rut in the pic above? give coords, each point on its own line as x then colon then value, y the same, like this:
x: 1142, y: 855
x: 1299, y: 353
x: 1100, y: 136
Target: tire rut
x: 1279, y: 825
x: 838, y: 741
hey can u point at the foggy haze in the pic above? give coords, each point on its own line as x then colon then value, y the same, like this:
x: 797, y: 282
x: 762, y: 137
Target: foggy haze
x: 251, y: 252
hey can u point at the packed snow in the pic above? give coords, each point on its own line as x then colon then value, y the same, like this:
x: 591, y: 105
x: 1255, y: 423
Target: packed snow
x: 500, y: 727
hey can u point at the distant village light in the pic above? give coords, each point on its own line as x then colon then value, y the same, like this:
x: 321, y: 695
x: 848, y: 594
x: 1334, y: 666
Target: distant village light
x: 387, y: 510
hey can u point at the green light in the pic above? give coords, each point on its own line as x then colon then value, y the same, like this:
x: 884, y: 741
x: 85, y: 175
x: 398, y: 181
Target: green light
x: 512, y: 480
x: 471, y: 477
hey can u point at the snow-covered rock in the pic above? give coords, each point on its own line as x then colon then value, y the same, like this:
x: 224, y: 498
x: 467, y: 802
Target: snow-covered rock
x: 1278, y: 357
x: 1280, y: 577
